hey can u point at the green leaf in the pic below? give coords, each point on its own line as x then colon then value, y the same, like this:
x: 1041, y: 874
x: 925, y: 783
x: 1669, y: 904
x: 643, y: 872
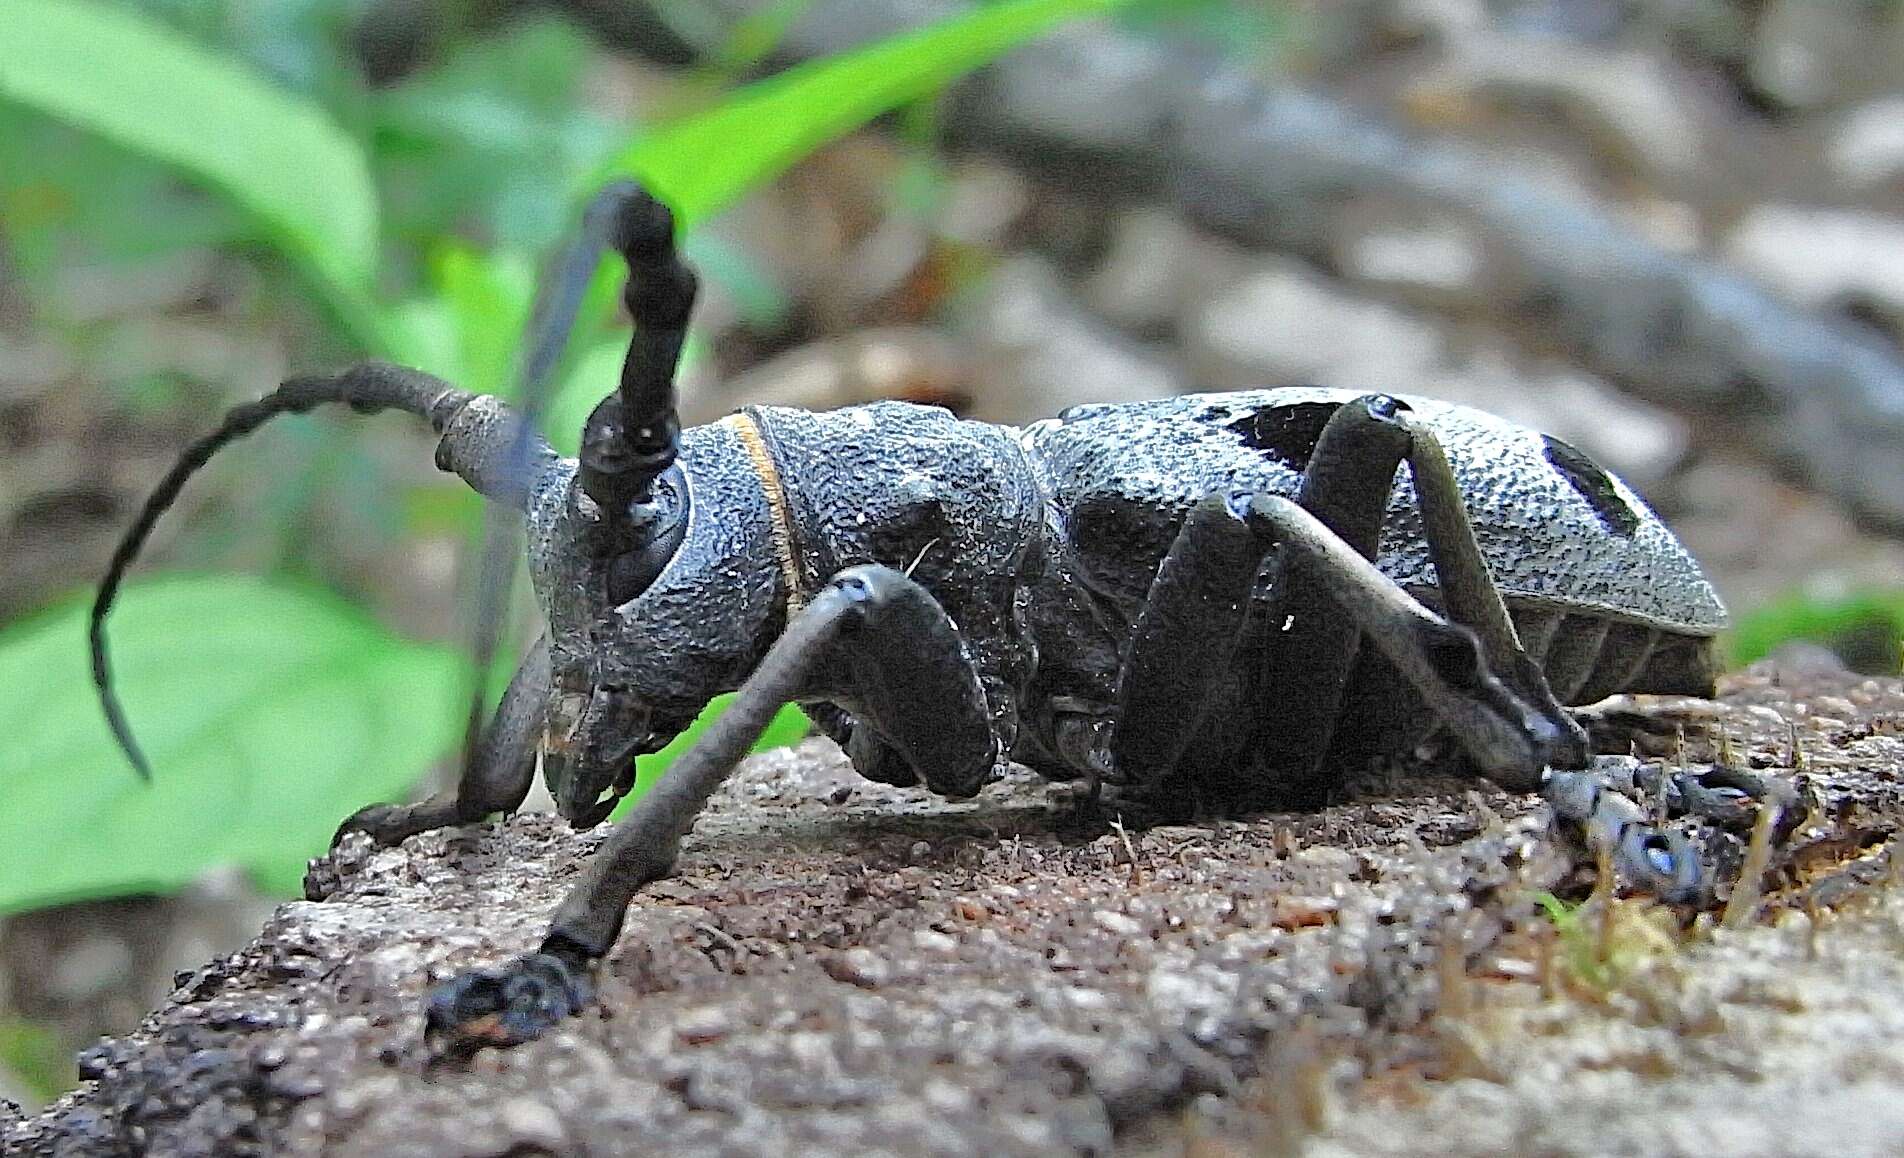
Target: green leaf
x: 705, y: 162
x: 490, y: 141
x: 132, y: 81
x: 270, y: 713
x: 490, y: 296
x: 36, y: 1056
x: 1865, y: 627
x: 789, y: 726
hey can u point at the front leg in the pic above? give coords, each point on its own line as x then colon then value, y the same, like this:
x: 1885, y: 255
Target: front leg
x: 498, y: 773
x: 905, y: 662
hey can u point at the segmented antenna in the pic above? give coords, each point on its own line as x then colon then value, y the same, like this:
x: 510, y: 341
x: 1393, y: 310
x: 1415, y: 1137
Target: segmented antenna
x: 633, y: 434
x: 493, y: 448
x: 367, y: 389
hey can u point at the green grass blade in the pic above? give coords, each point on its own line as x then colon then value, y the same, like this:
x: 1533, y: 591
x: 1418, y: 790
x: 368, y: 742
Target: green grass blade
x: 270, y: 712
x: 132, y: 81
x: 705, y: 162
x: 1869, y: 622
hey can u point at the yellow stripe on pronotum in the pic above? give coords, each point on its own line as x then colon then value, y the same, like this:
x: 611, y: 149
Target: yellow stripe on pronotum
x: 762, y: 462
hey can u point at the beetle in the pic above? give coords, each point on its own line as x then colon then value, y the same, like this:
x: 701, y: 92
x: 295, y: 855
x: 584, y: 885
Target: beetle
x: 1217, y: 599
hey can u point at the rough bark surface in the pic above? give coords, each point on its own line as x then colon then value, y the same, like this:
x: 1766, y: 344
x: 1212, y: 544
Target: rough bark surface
x: 846, y: 967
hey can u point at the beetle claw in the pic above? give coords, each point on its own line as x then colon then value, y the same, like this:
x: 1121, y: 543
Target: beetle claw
x: 516, y: 1002
x: 381, y: 822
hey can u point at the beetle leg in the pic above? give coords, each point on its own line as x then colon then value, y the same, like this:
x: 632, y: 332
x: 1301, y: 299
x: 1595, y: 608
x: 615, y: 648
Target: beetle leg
x: 1310, y: 651
x: 1327, y: 596
x: 1195, y: 611
x: 1656, y: 859
x: 496, y: 780
x: 871, y: 757
x: 1509, y: 741
x: 1591, y: 803
x: 1467, y: 588
x: 871, y: 626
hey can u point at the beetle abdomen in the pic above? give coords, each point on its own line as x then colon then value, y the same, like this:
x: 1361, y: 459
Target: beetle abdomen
x: 1588, y: 657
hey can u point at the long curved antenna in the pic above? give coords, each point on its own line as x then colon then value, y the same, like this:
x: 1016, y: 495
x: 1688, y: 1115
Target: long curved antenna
x: 474, y: 429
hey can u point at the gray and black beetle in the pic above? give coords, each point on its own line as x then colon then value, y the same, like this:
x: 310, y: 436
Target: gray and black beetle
x: 1174, y: 598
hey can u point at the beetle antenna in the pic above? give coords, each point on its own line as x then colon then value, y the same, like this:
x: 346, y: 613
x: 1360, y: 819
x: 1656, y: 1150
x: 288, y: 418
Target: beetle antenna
x: 471, y: 437
x: 633, y: 435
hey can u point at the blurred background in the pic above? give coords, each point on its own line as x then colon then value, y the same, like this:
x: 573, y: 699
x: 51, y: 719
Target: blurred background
x: 1670, y: 232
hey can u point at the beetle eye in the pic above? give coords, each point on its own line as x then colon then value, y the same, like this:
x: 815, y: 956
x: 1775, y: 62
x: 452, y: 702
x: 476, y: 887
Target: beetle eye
x: 660, y: 525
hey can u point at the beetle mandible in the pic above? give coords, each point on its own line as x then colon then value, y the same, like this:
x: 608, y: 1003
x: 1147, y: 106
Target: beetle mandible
x: 1217, y: 597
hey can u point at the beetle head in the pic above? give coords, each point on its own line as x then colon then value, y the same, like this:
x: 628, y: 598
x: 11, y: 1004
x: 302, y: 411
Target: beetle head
x: 646, y: 628
x: 593, y: 573
x: 596, y: 730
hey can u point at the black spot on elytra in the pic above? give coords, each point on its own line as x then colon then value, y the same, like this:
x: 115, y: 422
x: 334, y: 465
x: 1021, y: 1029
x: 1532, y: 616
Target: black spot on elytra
x: 1287, y: 433
x: 1594, y: 486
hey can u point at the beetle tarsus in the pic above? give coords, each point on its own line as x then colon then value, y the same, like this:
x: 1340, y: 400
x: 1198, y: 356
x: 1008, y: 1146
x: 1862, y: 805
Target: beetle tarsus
x: 1591, y: 804
x: 508, y: 1005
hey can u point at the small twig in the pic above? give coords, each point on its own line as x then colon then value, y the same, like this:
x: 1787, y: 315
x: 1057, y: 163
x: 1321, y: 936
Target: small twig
x: 721, y: 937
x: 1130, y: 850
x: 1743, y: 905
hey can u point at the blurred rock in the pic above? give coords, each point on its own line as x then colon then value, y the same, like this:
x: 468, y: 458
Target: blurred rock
x: 875, y: 269
x: 1760, y: 537
x: 1573, y: 20
x: 1284, y: 325
x: 1715, y: 31
x: 1068, y: 225
x: 1674, y: 226
x: 1037, y: 351
x: 1155, y: 268
x: 85, y: 293
x: 242, y: 362
x: 1112, y: 96
x: 906, y: 362
x: 1334, y: 34
x: 1825, y: 258
x: 1428, y: 259
x: 30, y: 367
x: 1642, y: 444
x: 1635, y: 111
x: 1868, y: 147
x: 825, y: 235
x: 984, y: 202
x: 1808, y: 54
x: 1440, y: 20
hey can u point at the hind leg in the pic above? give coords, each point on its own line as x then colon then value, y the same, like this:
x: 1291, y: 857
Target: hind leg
x: 1469, y: 669
x: 1325, y: 600
x: 1185, y: 639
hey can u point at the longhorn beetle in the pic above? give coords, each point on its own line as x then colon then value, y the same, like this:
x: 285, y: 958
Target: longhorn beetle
x: 1219, y: 597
